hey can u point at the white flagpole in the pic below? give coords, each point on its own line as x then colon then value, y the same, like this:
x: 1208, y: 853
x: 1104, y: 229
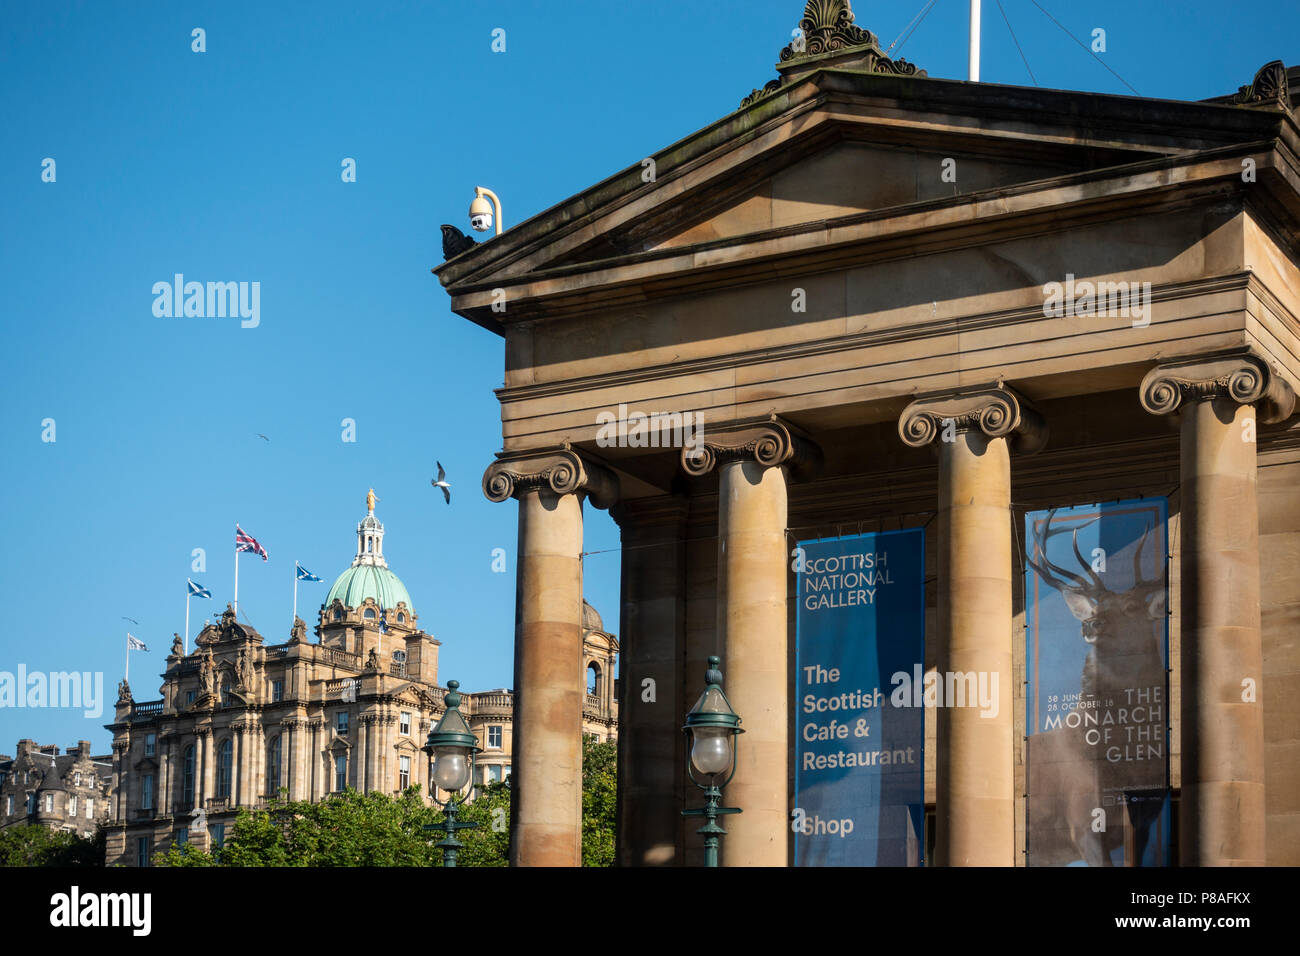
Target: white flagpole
x: 236, y: 602
x: 295, y: 591
x: 973, y: 72
x: 126, y: 671
x: 187, y: 618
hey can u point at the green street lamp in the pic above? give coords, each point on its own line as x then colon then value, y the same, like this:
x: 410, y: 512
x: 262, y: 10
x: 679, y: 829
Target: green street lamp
x: 711, y: 727
x: 451, y: 747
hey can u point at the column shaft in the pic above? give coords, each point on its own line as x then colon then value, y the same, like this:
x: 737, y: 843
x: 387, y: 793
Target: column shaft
x: 652, y: 639
x: 547, y: 772
x: 1222, y: 809
x: 752, y: 626
x: 975, y: 771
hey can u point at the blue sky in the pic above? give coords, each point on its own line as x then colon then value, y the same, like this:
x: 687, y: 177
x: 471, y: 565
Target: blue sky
x: 225, y: 166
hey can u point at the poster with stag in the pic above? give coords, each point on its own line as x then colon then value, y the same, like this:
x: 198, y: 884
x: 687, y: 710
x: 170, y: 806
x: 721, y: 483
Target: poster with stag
x: 1097, y: 693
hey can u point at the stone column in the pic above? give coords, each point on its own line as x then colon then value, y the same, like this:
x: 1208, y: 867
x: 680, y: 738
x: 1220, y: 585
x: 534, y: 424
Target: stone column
x: 164, y: 776
x: 974, y: 430
x: 204, y: 778
x: 546, y: 796
x: 1220, y: 397
x: 238, y: 790
x: 652, y: 642
x: 312, y: 760
x: 752, y: 459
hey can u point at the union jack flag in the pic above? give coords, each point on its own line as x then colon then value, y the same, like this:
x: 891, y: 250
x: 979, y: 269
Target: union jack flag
x: 246, y: 542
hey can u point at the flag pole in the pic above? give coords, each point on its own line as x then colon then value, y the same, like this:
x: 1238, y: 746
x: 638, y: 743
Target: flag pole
x: 236, y: 607
x: 126, y: 671
x: 295, y: 591
x: 187, y: 617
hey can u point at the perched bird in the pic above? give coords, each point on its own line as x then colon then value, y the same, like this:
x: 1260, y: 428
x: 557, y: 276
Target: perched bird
x: 454, y: 242
x: 260, y: 435
x: 438, y: 482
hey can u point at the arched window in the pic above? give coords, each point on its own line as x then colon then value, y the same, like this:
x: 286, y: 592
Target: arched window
x: 338, y: 614
x: 273, y: 767
x: 187, y: 776
x: 593, y: 678
x: 369, y: 614
x: 401, y: 618
x: 224, y: 762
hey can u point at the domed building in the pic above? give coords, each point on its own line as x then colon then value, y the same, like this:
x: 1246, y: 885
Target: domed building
x: 242, y: 722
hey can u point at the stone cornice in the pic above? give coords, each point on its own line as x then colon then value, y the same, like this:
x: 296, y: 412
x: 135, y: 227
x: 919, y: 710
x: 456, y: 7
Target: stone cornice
x: 769, y: 442
x: 995, y: 410
x: 562, y: 470
x: 1240, y: 376
x: 1112, y: 118
x: 1043, y: 207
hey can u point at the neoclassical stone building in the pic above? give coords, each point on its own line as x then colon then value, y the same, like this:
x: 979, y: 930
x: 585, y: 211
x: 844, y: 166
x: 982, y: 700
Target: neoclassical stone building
x: 854, y: 262
x: 240, y: 721
x: 70, y: 791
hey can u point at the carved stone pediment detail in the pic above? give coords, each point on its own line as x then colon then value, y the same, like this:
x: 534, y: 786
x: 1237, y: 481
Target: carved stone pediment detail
x: 1268, y: 88
x: 562, y: 470
x: 770, y: 442
x: 829, y: 35
x: 1240, y: 376
x: 995, y: 410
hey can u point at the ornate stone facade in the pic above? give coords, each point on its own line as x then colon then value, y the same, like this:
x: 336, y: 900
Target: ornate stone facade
x: 241, y: 722
x: 69, y: 792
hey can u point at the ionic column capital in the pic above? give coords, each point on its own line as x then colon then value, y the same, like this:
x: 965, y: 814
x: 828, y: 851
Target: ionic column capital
x: 769, y: 442
x: 562, y: 470
x: 1240, y: 376
x: 995, y: 410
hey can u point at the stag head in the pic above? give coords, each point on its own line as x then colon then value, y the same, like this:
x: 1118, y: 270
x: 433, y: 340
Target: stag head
x: 1109, y: 619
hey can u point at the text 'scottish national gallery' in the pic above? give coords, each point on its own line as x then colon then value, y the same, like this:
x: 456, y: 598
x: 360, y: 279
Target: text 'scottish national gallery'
x: 957, y: 420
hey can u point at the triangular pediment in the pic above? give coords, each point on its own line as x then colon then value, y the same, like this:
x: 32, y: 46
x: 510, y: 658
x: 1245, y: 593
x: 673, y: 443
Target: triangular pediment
x: 822, y: 149
x: 852, y: 177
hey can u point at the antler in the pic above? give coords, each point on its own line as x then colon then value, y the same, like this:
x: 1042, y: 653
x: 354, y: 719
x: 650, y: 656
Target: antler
x: 1058, y: 577
x: 1138, y: 580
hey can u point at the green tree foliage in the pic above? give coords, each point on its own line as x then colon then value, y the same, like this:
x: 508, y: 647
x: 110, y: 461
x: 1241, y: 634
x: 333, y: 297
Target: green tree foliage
x: 347, y: 829
x: 375, y: 829
x: 599, y: 800
x: 34, y: 845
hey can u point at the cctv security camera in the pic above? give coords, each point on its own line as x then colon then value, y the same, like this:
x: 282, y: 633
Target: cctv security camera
x: 481, y: 222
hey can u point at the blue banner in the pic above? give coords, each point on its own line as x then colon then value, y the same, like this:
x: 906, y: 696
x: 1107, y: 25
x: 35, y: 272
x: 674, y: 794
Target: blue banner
x: 859, y: 729
x: 1097, y: 697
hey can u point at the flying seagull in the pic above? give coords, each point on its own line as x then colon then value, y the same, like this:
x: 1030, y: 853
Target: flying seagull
x: 439, y: 483
x: 131, y: 619
x: 260, y: 435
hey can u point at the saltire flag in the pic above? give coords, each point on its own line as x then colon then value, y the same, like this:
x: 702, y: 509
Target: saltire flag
x: 246, y: 542
x: 198, y: 591
x: 135, y: 644
x: 304, y: 574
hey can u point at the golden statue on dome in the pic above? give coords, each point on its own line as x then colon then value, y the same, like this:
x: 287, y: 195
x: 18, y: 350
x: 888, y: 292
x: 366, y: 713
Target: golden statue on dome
x: 370, y: 501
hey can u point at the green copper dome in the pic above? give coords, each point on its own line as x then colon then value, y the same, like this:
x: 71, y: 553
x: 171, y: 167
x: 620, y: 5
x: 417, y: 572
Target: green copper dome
x: 369, y: 581
x: 369, y: 576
